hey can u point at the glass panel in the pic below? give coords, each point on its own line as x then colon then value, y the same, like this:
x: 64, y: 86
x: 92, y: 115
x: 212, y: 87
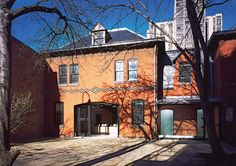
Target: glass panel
x: 200, y: 123
x: 74, y: 69
x: 63, y: 79
x: 133, y: 75
x: 63, y: 70
x: 133, y: 65
x: 119, y: 76
x: 166, y: 122
x: 59, y: 113
x: 119, y: 66
x: 185, y: 72
x: 168, y: 77
x: 74, y: 79
x: 138, y: 111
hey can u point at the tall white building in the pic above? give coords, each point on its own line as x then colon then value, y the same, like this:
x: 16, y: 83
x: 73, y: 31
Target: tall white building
x: 180, y: 27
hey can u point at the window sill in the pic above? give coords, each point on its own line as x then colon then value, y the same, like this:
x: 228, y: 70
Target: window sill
x: 119, y: 82
x: 62, y: 85
x: 73, y: 84
x: 133, y: 80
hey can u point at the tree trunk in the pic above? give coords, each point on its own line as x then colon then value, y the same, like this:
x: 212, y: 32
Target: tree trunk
x: 202, y: 79
x: 7, y: 157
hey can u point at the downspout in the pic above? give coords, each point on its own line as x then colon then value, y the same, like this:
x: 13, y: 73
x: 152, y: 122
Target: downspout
x: 155, y: 89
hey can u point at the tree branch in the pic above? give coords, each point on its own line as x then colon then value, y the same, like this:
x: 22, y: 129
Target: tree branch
x: 30, y: 9
x: 10, y: 3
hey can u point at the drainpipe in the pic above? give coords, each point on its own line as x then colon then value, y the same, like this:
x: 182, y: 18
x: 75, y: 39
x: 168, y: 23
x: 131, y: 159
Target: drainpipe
x: 155, y: 89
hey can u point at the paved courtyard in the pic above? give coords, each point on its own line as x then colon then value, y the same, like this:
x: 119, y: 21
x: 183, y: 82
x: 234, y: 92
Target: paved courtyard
x: 117, y: 151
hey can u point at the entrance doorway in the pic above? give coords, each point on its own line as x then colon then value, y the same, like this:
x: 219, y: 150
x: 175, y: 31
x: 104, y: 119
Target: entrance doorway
x: 96, y: 118
x: 200, y: 123
x: 167, y: 122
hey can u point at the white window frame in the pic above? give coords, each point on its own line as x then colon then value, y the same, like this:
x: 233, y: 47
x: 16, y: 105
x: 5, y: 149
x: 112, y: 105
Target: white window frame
x: 132, y: 70
x: 119, y: 71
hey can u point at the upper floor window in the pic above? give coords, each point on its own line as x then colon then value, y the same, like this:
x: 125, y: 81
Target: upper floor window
x: 74, y: 73
x: 132, y: 69
x: 62, y: 74
x: 59, y: 113
x: 185, y: 72
x: 138, y: 111
x: 119, y: 70
x: 98, y: 37
x: 168, y: 77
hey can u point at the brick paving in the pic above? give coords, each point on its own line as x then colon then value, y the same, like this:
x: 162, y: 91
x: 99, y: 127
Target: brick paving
x: 117, y: 151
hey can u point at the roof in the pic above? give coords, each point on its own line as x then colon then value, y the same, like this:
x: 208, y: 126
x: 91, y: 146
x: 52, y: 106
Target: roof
x: 117, y: 36
x: 226, y: 35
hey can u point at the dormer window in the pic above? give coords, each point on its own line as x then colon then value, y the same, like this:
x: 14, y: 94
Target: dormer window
x: 100, y: 35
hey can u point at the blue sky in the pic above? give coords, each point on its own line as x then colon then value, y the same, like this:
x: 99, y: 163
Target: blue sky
x: 26, y: 28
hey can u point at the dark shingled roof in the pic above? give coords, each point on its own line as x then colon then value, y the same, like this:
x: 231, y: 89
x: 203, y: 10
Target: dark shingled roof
x: 117, y: 36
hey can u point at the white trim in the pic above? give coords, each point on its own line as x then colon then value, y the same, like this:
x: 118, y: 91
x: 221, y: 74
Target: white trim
x: 181, y: 97
x: 177, y: 136
x: 107, y: 45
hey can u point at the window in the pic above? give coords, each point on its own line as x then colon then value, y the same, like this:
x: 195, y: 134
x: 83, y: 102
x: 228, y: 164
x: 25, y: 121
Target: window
x: 168, y: 77
x: 59, y: 117
x: 185, y: 72
x: 119, y: 71
x: 74, y: 74
x: 138, y: 112
x: 132, y: 70
x: 229, y: 114
x: 98, y: 38
x: 62, y: 74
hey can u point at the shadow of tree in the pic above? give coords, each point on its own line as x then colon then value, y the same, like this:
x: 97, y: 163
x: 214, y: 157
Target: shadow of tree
x: 123, y: 95
x: 115, y: 154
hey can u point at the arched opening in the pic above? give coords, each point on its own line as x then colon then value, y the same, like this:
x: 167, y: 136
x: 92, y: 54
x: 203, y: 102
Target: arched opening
x: 96, y: 118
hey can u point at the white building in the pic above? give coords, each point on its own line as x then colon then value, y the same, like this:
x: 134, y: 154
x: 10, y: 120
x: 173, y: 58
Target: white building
x: 180, y: 29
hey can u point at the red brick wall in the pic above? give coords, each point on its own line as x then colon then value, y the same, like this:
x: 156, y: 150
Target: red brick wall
x: 181, y: 89
x: 26, y: 76
x: 185, y: 118
x: 90, y: 76
x: 224, y: 54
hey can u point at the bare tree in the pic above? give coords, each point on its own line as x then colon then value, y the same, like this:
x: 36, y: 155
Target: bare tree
x: 21, y: 104
x: 7, y: 15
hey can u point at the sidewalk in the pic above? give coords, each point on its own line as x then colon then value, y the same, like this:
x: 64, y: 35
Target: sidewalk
x: 120, y: 151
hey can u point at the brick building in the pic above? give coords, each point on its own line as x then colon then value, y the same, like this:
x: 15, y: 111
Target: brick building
x: 222, y: 47
x: 27, y: 79
x: 111, y: 82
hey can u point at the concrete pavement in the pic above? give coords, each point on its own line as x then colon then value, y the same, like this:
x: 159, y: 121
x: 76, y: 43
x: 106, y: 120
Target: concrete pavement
x: 119, y: 151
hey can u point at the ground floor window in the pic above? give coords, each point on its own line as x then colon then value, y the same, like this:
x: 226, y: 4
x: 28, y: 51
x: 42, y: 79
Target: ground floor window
x: 138, y: 112
x: 59, y: 117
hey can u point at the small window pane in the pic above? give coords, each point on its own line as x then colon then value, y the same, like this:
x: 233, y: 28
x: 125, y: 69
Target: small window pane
x: 133, y: 75
x: 119, y: 76
x: 168, y: 77
x: 119, y: 71
x: 62, y: 74
x: 185, y: 72
x: 132, y: 69
x: 74, y: 73
x: 133, y: 65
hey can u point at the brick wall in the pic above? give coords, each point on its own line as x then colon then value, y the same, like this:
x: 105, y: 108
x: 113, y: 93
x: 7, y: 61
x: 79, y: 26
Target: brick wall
x: 28, y: 77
